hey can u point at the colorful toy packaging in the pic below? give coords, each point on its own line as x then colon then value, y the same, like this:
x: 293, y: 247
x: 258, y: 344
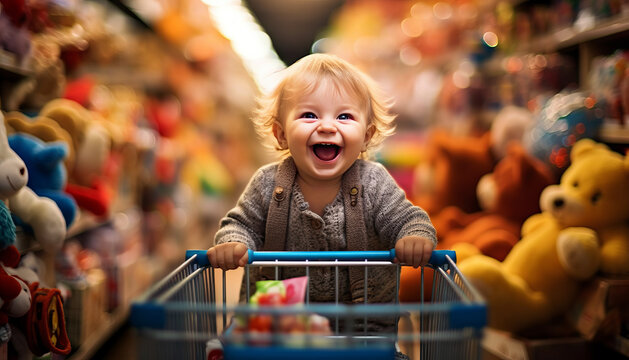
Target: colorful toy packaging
x: 279, y: 293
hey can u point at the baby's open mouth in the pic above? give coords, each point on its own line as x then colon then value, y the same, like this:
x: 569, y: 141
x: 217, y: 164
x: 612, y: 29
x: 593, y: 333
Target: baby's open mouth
x: 326, y: 152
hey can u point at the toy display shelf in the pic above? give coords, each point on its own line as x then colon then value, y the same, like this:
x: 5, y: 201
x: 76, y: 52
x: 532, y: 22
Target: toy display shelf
x: 9, y: 70
x: 572, y: 36
x: 615, y: 133
x: 10, y: 75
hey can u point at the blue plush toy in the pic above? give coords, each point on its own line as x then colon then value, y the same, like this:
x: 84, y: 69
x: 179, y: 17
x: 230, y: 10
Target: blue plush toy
x: 47, y: 172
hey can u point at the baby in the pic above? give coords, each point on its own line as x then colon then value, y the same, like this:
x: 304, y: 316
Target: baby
x: 324, y: 116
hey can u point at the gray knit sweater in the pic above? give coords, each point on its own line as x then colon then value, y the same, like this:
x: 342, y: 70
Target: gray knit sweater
x: 388, y: 216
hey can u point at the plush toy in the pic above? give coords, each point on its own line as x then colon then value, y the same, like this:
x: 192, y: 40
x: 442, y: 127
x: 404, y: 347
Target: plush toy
x: 508, y: 126
x: 583, y: 227
x: 13, y: 172
x: 13, y: 177
x: 517, y: 179
x: 47, y: 173
x: 15, y: 297
x: 508, y: 196
x: 92, y: 146
x: 41, y: 328
x: 450, y: 172
x: 41, y: 127
x: 41, y: 214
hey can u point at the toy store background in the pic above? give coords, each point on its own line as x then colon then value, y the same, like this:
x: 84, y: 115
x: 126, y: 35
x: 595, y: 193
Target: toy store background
x: 132, y: 120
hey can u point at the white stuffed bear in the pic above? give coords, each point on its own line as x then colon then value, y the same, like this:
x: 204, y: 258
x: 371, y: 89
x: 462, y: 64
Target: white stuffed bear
x: 41, y: 213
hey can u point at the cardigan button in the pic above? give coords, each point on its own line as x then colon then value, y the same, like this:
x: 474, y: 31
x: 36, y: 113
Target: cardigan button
x: 315, y: 224
x: 278, y: 193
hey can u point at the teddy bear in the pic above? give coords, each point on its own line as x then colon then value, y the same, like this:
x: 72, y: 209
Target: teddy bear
x: 40, y: 213
x: 508, y: 196
x: 454, y: 164
x: 583, y: 228
x: 450, y: 171
x: 47, y: 172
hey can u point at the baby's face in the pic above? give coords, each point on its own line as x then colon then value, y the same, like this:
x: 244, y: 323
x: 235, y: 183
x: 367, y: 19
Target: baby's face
x: 325, y: 131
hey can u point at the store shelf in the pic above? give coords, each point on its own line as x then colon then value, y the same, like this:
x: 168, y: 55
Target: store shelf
x: 571, y: 36
x: 615, y: 133
x: 10, y: 71
x: 96, y: 340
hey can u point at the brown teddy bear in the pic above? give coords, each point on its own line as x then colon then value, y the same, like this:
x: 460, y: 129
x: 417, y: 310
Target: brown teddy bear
x: 508, y: 196
x: 450, y: 172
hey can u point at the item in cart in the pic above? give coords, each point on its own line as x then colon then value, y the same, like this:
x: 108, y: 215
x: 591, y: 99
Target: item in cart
x: 278, y: 293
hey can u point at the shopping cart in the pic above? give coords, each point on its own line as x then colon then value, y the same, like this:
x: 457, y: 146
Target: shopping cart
x: 183, y: 316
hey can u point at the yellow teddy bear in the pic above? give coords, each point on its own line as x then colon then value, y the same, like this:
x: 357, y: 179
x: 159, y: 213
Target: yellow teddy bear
x: 583, y: 228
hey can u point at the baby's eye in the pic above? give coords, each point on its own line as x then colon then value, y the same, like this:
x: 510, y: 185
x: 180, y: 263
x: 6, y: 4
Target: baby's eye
x: 345, y: 117
x: 308, y: 115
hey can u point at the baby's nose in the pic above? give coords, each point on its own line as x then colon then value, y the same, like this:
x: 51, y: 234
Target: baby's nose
x: 327, y: 125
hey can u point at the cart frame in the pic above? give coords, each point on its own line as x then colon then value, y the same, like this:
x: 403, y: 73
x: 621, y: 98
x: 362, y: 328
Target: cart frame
x: 177, y: 316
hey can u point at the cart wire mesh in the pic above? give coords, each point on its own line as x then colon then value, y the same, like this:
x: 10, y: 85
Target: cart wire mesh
x: 184, y: 312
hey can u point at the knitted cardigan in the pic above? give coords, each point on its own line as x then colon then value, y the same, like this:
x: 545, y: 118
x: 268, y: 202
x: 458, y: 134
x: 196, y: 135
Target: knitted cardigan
x: 388, y: 217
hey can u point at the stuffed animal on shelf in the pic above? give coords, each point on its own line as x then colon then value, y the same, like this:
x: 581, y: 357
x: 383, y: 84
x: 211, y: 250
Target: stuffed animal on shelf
x: 41, y: 127
x: 92, y: 145
x: 449, y: 174
x: 509, y: 126
x: 13, y: 177
x: 508, y: 196
x: 583, y: 228
x: 47, y: 172
x: 15, y: 296
x: 40, y: 329
x: 40, y: 213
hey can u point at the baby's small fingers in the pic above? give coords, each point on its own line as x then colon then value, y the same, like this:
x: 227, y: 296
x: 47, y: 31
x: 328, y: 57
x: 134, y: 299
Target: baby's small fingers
x: 427, y: 251
x: 230, y: 259
x: 244, y: 259
x: 415, y: 254
x: 211, y: 256
x: 238, y: 252
x: 220, y: 258
x: 399, y: 252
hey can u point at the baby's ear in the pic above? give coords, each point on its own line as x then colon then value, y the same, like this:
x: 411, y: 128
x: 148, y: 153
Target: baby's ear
x: 280, y: 135
x: 368, y: 135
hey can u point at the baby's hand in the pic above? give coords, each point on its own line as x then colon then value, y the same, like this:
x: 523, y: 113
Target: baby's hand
x: 228, y: 256
x: 413, y: 250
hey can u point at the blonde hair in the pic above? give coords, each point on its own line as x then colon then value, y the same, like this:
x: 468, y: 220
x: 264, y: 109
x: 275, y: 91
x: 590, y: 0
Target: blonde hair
x: 304, y: 75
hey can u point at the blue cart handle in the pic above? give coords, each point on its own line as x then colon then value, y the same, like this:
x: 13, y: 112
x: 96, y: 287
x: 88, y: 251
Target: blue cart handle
x: 437, y: 258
